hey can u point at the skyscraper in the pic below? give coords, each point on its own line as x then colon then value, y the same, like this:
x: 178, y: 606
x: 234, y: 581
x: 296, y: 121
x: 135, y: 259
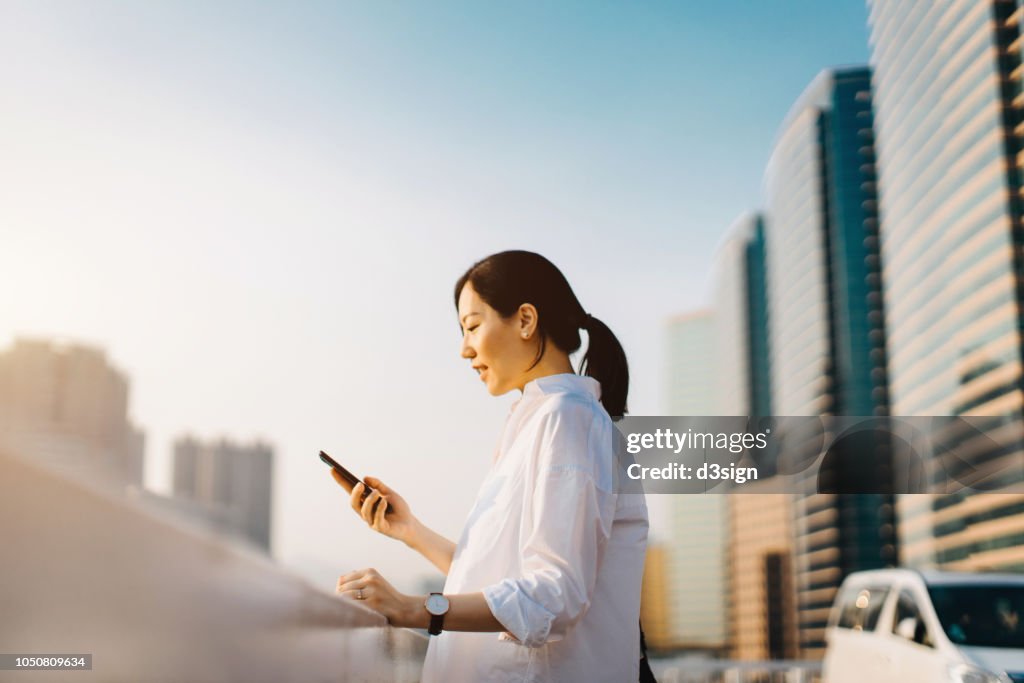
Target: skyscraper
x: 761, y: 598
x: 230, y: 484
x: 948, y: 103
x: 64, y: 405
x: 827, y: 338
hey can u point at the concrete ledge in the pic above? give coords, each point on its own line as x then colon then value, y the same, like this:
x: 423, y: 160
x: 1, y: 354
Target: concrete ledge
x: 87, y: 571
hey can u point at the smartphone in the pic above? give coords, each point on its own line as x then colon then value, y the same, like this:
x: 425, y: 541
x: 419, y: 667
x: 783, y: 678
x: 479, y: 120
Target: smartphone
x: 349, y: 478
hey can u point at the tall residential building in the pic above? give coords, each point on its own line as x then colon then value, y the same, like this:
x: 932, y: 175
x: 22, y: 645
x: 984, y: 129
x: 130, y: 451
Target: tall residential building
x: 691, y: 387
x: 228, y: 484
x: 695, y: 554
x: 948, y: 103
x: 66, y: 406
x: 761, y: 596
x: 827, y: 339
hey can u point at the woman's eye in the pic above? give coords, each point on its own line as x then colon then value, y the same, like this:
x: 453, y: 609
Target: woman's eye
x: 472, y: 328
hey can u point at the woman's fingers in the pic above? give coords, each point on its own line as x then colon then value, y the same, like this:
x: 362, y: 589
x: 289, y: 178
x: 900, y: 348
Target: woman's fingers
x: 354, y: 595
x: 357, y: 585
x: 354, y: 499
x: 365, y: 580
x: 378, y: 516
x: 367, y: 509
x: 371, y: 589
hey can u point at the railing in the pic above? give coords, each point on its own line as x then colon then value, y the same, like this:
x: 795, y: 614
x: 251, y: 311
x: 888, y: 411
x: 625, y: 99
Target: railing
x: 89, y: 571
x: 693, y: 670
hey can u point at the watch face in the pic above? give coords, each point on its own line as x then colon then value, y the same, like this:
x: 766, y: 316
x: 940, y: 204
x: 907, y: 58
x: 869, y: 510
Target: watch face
x: 437, y: 604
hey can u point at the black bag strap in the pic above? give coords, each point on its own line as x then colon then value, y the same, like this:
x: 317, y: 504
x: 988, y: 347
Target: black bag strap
x: 646, y: 675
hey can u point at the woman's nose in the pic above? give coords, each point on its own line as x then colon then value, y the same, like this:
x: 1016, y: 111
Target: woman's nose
x: 467, y: 350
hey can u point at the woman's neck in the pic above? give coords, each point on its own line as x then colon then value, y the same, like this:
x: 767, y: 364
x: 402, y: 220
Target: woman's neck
x: 556, y: 364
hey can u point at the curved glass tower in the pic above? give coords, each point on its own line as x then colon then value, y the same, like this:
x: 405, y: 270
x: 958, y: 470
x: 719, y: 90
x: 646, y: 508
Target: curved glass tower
x: 825, y: 314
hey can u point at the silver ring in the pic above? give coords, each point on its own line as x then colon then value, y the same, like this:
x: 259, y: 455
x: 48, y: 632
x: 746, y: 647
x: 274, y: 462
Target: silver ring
x: 359, y: 595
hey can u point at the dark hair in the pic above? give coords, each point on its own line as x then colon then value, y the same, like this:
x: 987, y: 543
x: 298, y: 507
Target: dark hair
x: 509, y: 279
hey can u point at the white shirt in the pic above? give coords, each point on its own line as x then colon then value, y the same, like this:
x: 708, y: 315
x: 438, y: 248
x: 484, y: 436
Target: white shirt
x: 558, y: 554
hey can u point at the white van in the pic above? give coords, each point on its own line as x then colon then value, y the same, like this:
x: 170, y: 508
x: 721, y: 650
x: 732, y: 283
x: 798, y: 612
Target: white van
x: 926, y: 626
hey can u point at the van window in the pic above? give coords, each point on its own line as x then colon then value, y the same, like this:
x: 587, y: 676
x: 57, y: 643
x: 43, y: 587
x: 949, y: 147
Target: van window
x: 989, y: 615
x: 859, y: 607
x: 906, y: 608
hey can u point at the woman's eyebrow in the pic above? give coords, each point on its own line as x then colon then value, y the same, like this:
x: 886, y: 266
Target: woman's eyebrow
x: 467, y: 315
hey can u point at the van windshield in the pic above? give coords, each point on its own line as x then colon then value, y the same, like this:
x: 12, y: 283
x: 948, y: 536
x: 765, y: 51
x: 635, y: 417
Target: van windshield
x: 982, y: 616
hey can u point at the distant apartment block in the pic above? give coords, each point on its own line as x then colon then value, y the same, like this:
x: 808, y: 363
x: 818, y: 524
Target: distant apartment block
x: 64, y: 405
x: 228, y: 485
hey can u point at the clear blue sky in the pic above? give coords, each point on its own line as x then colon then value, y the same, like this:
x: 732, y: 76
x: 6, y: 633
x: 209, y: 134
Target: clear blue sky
x: 260, y: 209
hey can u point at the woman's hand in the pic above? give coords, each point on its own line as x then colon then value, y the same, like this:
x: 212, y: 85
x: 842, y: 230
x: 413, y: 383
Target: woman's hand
x: 370, y: 588
x: 399, y: 524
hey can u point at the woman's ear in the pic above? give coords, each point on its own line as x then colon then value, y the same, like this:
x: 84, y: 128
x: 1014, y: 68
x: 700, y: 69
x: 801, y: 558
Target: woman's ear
x: 527, y: 320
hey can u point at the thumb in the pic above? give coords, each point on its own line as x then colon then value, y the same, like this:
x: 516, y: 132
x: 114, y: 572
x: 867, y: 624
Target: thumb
x: 377, y: 484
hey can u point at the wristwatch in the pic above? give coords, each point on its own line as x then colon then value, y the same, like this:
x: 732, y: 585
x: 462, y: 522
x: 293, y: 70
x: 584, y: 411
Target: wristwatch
x: 437, y: 605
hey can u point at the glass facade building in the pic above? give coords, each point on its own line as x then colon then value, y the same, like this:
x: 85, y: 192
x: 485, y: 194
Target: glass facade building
x: 761, y: 597
x: 948, y: 106
x: 826, y: 321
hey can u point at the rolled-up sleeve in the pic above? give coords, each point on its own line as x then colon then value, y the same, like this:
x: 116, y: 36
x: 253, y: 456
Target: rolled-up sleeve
x: 569, y: 514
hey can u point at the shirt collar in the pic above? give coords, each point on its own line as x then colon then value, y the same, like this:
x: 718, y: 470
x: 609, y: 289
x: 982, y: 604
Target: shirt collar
x: 566, y: 382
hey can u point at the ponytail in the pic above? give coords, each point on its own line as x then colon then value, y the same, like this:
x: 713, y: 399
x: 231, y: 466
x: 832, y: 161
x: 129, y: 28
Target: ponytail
x: 605, y: 361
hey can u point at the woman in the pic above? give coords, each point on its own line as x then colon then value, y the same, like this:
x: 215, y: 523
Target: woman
x: 544, y: 583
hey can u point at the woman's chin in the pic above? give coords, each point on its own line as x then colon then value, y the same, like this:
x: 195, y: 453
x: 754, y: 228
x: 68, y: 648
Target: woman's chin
x: 498, y: 390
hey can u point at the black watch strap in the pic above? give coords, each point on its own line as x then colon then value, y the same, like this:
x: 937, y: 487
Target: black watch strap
x: 436, y: 621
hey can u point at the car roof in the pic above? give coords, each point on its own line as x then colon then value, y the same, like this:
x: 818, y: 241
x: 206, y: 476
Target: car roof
x: 934, y: 577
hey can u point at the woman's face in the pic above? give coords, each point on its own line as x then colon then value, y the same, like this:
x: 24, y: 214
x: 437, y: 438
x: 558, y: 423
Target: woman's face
x: 499, y: 350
